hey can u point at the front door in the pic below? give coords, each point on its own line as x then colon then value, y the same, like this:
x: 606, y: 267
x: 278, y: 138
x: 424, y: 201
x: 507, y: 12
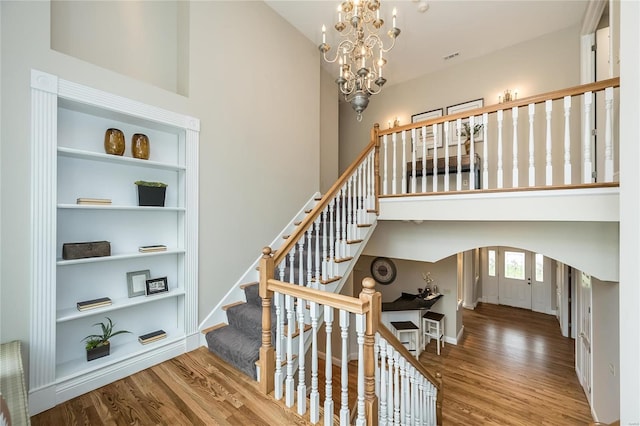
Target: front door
x: 515, y: 278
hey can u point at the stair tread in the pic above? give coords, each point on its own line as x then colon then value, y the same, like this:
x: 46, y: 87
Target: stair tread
x: 243, y: 286
x: 232, y: 305
x: 236, y: 348
x: 213, y: 327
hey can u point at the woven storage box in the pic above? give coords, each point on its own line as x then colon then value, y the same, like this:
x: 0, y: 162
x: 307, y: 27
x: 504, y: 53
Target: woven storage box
x: 83, y: 250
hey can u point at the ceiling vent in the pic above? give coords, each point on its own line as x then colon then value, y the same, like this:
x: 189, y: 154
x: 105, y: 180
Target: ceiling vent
x: 451, y: 56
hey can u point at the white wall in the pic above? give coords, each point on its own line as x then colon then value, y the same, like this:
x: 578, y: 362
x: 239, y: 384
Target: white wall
x: 547, y: 63
x: 591, y: 247
x: 606, y: 354
x: 629, y: 214
x: 246, y: 158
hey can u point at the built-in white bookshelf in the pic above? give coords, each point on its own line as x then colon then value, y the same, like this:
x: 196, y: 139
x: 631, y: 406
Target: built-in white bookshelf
x: 69, y: 162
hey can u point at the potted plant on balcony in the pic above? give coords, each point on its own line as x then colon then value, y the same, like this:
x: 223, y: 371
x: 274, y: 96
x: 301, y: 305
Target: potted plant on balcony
x: 151, y: 193
x: 466, y: 132
x: 98, y: 345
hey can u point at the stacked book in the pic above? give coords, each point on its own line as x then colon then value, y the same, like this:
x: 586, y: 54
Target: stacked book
x: 149, y: 249
x: 152, y: 337
x: 94, y: 201
x: 94, y: 303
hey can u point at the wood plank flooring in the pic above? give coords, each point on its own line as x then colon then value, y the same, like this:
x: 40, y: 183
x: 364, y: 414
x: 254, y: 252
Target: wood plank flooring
x: 512, y: 368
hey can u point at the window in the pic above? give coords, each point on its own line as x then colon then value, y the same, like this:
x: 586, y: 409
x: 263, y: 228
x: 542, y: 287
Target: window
x: 539, y: 267
x: 492, y: 263
x: 514, y: 265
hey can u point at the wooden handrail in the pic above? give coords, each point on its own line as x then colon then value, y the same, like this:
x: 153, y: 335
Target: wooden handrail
x: 556, y: 94
x: 338, y: 301
x: 315, y: 212
x: 391, y: 339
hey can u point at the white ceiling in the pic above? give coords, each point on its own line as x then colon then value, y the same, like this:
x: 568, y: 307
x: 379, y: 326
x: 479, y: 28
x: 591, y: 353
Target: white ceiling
x: 471, y: 27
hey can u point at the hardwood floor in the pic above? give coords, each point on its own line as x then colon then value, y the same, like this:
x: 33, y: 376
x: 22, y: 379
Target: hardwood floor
x: 196, y: 388
x: 512, y: 368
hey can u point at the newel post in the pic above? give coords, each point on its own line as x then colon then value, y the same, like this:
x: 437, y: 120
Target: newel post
x: 374, y: 298
x: 375, y: 138
x: 267, y: 354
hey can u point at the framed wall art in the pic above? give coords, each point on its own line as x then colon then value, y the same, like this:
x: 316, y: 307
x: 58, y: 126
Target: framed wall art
x: 465, y: 106
x: 428, y: 136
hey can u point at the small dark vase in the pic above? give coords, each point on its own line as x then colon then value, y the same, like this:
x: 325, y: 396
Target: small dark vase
x: 98, y: 352
x: 114, y: 142
x: 140, y: 146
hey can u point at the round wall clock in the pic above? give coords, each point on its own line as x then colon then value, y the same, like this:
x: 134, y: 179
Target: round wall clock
x: 383, y: 270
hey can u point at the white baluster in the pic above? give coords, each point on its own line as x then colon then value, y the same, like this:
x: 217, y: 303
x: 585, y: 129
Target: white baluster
x: 608, y: 135
x: 310, y: 283
x: 341, y: 215
x: 291, y: 325
x: 344, y: 394
x: 328, y: 367
x: 332, y: 237
x: 281, y: 268
x: 447, y: 136
x: 514, y: 119
x: 413, y: 413
x: 372, y: 180
x: 435, y: 128
x: 394, y: 171
x: 500, y: 181
x: 548, y: 107
x: 485, y: 151
x: 314, y: 397
x: 360, y: 329
x: 532, y: 158
x: 396, y: 388
x: 567, y: 140
x: 404, y: 162
x: 413, y: 161
x: 301, y: 261
x: 472, y: 154
x: 319, y: 264
x: 292, y: 260
x: 587, y: 167
x: 403, y: 391
x: 459, y: 155
x: 385, y: 174
x: 376, y: 353
x: 359, y: 196
x: 424, y: 157
x: 277, y: 301
x: 325, y: 260
x: 420, y: 413
x: 382, y: 396
x: 302, y: 385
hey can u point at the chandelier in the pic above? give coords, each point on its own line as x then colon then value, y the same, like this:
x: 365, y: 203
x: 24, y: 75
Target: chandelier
x: 360, y: 53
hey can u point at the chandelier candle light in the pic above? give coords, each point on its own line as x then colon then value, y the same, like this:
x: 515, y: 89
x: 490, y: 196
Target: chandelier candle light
x: 360, y: 53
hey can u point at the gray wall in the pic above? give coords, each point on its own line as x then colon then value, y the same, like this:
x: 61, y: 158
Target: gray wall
x: 233, y: 82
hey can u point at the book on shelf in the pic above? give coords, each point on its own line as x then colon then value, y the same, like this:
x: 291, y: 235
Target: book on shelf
x: 93, y: 303
x: 95, y: 201
x: 152, y: 337
x: 148, y: 249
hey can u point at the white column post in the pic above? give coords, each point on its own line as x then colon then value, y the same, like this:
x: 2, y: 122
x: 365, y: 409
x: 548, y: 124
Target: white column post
x: 515, y: 171
x: 567, y: 140
x: 500, y: 182
x: 548, y: 157
x: 608, y: 135
x: 587, y: 166
x: 532, y: 158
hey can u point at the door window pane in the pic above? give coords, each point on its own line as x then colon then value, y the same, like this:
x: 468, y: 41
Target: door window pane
x: 539, y: 267
x: 492, y: 263
x: 514, y: 265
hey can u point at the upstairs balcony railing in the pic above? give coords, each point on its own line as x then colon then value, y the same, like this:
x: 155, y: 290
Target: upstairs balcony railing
x: 542, y: 141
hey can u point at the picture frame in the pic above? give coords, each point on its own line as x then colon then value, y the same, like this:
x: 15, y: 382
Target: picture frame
x: 156, y: 285
x: 136, y: 282
x: 423, y: 116
x: 457, y: 108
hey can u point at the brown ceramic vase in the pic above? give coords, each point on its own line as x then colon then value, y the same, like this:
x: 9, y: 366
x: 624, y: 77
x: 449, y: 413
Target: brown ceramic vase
x: 140, y: 146
x: 114, y: 142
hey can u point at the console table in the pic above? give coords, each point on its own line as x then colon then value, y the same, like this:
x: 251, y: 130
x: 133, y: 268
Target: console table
x: 465, y: 167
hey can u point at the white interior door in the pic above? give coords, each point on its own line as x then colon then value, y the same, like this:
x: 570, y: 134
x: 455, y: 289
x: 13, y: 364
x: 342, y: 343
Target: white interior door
x: 583, y: 345
x: 515, y: 278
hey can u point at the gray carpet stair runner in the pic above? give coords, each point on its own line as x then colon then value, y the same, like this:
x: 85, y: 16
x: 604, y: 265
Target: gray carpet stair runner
x: 238, y: 343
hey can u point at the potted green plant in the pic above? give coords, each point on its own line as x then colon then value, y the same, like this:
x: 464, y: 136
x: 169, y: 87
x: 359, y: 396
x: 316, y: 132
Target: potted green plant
x: 466, y: 132
x: 98, y: 345
x: 151, y: 193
